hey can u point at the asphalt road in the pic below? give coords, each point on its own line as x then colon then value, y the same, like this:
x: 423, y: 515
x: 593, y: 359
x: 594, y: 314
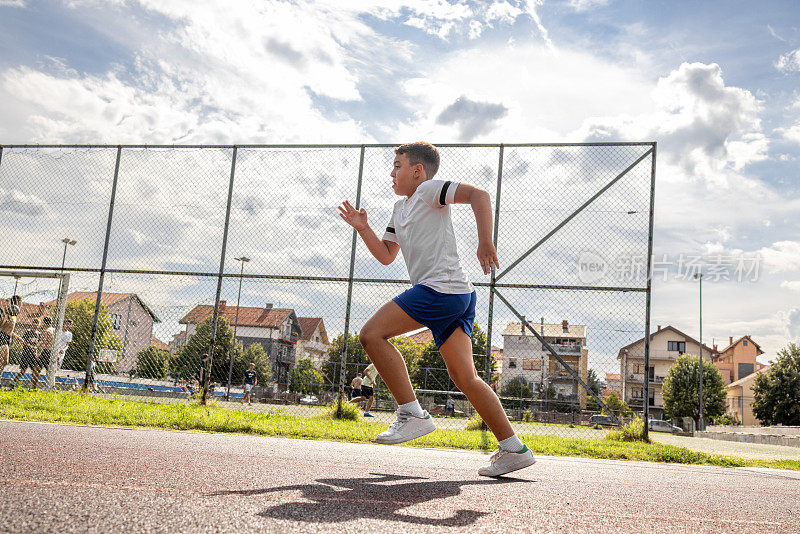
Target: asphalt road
x: 59, y: 478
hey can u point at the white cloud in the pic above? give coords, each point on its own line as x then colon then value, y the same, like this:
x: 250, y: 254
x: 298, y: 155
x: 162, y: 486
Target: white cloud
x: 20, y: 203
x: 586, y: 5
x: 12, y: 3
x: 791, y: 134
x: 792, y: 285
x: 782, y: 256
x: 789, y: 62
x: 791, y: 323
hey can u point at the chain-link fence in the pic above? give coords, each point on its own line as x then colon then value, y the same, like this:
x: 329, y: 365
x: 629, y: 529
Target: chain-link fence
x: 248, y: 238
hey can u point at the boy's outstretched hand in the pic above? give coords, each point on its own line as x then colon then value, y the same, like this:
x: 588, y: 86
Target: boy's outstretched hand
x: 487, y: 255
x: 355, y: 218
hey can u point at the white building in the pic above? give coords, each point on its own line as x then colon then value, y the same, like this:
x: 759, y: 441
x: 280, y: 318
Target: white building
x: 524, y: 356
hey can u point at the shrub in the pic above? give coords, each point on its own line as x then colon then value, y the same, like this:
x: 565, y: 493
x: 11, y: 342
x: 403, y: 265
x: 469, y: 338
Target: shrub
x: 344, y: 410
x: 632, y: 431
x: 727, y: 420
x: 527, y: 416
x: 476, y: 423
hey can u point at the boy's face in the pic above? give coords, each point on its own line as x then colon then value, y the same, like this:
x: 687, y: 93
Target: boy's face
x: 405, y: 177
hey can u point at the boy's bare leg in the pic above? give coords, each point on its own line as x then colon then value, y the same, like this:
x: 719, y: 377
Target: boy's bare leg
x: 389, y: 321
x: 457, y: 355
x: 370, y: 401
x: 35, y: 377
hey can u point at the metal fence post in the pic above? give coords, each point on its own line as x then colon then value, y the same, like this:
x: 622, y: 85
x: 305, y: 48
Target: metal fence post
x: 89, y: 379
x: 488, y: 369
x: 646, y: 400
x: 213, y: 335
x: 343, y: 369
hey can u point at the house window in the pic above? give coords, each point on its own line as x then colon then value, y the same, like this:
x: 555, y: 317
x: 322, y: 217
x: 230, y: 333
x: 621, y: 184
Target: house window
x: 531, y: 365
x: 512, y: 363
x: 116, y: 320
x: 743, y: 343
x: 679, y: 346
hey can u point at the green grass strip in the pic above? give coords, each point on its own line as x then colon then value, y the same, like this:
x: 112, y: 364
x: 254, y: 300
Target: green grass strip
x: 75, y: 408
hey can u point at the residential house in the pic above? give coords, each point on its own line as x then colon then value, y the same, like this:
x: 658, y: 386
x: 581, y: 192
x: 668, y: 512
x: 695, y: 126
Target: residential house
x: 666, y: 344
x: 738, y: 360
x: 160, y: 345
x: 131, y: 320
x: 178, y: 340
x: 524, y: 356
x: 613, y: 384
x: 425, y: 336
x: 277, y: 330
x: 740, y: 396
x: 313, y: 341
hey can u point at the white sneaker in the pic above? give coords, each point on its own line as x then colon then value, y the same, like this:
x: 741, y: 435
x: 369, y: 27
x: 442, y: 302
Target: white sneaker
x: 503, y: 462
x: 406, y: 428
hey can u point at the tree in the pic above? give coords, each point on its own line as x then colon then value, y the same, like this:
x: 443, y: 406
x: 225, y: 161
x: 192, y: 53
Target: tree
x: 82, y: 314
x: 681, y: 397
x: 152, y: 362
x: 431, y: 371
x: 188, y: 358
x: 518, y: 387
x: 306, y: 378
x: 242, y: 358
x: 617, y: 406
x: 593, y: 382
x: 357, y: 360
x: 776, y: 392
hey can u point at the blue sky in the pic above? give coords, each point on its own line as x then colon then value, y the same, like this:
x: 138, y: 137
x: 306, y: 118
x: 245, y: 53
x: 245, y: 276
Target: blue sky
x: 715, y: 83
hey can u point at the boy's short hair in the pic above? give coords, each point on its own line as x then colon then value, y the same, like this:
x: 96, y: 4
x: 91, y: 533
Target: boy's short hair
x: 421, y: 152
x: 16, y: 299
x: 47, y: 321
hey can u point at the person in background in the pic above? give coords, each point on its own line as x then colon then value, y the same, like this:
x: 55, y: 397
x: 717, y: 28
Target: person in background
x: 249, y: 381
x: 29, y: 340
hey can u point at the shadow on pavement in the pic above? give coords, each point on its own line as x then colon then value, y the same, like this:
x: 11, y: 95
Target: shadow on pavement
x: 345, y: 499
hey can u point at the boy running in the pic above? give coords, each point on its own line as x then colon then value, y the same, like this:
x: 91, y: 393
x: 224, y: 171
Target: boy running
x: 442, y: 298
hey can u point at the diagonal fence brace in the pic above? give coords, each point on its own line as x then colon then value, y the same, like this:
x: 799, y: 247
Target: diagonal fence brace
x: 574, y: 214
x: 552, y: 351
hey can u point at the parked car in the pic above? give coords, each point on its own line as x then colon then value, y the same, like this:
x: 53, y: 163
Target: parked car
x: 658, y: 425
x: 309, y: 399
x: 604, y: 420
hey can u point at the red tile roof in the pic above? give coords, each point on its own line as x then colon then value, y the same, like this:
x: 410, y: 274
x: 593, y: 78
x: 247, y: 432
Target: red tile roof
x: 309, y: 324
x: 423, y: 337
x: 106, y: 299
x: 726, y: 349
x: 157, y: 343
x: 27, y: 310
x: 248, y: 316
x: 668, y: 327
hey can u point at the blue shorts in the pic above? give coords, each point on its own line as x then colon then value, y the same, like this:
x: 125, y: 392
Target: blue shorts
x: 441, y: 312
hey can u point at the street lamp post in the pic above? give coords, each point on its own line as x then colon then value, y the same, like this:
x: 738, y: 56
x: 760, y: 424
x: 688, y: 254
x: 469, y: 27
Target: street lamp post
x: 243, y: 259
x: 66, y: 241
x: 700, y: 421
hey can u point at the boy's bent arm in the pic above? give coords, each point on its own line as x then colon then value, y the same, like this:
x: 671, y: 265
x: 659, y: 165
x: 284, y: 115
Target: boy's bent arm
x: 481, y: 204
x: 384, y: 251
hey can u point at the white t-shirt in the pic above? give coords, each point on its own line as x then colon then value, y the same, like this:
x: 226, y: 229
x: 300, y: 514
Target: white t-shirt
x: 63, y: 340
x: 370, y: 375
x: 421, y: 225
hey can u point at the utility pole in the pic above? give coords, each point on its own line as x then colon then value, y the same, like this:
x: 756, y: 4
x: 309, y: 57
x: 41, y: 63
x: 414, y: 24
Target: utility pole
x: 701, y: 424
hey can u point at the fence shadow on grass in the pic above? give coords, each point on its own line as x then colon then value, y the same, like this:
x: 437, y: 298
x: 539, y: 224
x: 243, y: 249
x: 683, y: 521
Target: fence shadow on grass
x: 333, y: 500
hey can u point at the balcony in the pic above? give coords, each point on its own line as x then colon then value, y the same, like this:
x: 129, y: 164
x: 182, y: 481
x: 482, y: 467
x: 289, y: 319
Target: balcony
x: 639, y: 378
x: 315, y: 345
x: 566, y: 349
